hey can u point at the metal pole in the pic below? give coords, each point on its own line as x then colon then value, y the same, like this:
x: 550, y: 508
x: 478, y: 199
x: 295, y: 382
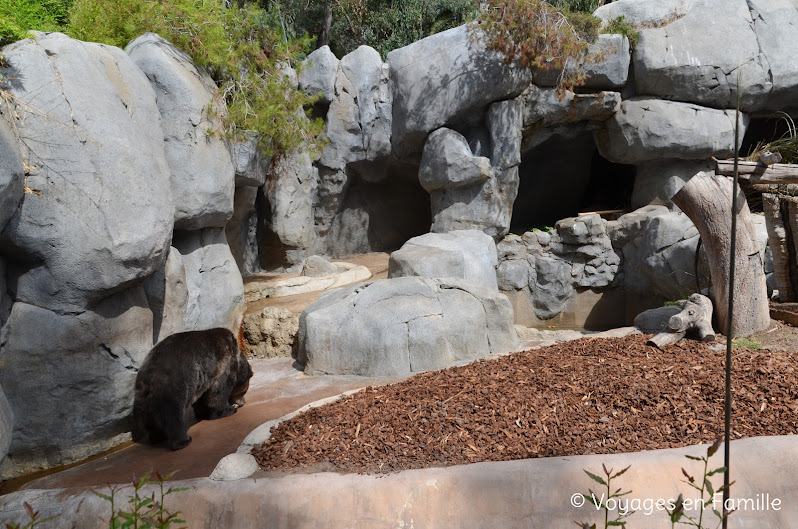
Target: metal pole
x: 730, y: 331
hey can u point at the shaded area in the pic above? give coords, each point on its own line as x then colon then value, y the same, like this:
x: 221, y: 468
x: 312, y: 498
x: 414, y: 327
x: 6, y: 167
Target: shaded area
x: 582, y: 397
x: 564, y: 176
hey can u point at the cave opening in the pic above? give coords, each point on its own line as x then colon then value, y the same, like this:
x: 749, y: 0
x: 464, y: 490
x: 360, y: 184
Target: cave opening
x: 564, y: 176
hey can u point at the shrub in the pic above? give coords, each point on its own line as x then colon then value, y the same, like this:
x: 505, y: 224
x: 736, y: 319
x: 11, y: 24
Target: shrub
x: 242, y: 47
x: 535, y: 34
x: 620, y: 26
x: 17, y: 17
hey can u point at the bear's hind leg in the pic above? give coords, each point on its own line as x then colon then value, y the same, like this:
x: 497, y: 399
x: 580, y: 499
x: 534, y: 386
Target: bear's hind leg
x: 170, y: 418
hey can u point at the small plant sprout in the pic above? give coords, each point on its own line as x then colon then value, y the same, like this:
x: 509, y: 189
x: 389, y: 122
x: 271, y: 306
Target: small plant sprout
x: 705, y: 488
x: 602, y: 502
x: 146, y: 512
x: 33, y: 519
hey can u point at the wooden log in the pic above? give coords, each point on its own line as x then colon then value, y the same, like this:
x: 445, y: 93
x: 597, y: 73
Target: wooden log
x: 777, y: 239
x: 760, y: 173
x: 707, y: 199
x: 694, y: 320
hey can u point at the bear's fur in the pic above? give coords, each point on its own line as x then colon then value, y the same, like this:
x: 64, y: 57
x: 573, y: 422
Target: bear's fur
x: 202, y: 369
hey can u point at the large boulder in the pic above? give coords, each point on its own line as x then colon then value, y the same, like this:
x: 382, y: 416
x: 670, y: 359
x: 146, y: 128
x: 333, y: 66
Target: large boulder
x: 359, y: 118
x: 318, y: 74
x: 465, y: 254
x: 444, y: 79
x: 202, y: 171
x: 647, y: 128
x: 682, y: 56
x: 395, y: 327
x: 605, y: 66
x: 251, y: 165
x: 69, y: 378
x: 465, y: 191
x: 6, y: 425
x: 271, y: 332
x: 215, y: 287
x: 100, y: 217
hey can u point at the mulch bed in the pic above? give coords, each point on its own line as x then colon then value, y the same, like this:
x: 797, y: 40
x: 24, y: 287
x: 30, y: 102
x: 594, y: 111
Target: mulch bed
x: 591, y: 396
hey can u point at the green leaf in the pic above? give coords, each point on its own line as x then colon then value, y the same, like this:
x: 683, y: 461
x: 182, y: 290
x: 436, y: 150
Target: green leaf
x: 717, y: 471
x: 694, y: 458
x: 620, y: 472
x: 708, y: 486
x: 595, y: 478
x: 617, y: 523
x: 688, y: 476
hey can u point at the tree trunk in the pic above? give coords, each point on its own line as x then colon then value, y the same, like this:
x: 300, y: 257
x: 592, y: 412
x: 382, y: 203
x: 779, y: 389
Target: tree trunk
x: 706, y: 199
x: 694, y: 320
x: 777, y: 239
x: 324, y: 36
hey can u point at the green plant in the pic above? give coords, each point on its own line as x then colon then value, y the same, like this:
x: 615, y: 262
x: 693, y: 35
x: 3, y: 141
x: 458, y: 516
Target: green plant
x: 621, y: 26
x: 678, y: 512
x: 17, y: 17
x: 747, y: 343
x: 33, y: 519
x: 603, y: 501
x: 146, y: 512
x: 786, y: 144
x: 243, y: 48
x: 535, y: 34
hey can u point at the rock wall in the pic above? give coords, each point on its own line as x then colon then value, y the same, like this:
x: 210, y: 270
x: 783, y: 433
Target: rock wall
x: 114, y: 152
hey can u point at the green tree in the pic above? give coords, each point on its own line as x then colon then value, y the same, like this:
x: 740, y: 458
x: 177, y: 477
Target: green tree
x: 382, y: 24
x: 243, y: 48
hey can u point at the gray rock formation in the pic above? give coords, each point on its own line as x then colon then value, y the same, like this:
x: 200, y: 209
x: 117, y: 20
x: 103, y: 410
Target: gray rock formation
x: 202, y: 171
x: 251, y: 165
x: 271, y: 332
x: 465, y: 191
x: 103, y: 219
x: 681, y: 56
x: 12, y: 173
x: 359, y: 118
x: 606, y: 65
x: 444, y: 79
x: 404, y: 325
x: 241, y: 230
x: 6, y: 425
x: 318, y: 74
x: 286, y: 214
x: 316, y: 266
x: 167, y: 297
x: 657, y: 181
x: 215, y: 287
x: 650, y: 129
x: 87, y: 363
x: 465, y: 254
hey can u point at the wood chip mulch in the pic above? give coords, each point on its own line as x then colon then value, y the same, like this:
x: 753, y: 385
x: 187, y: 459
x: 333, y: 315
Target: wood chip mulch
x: 590, y: 396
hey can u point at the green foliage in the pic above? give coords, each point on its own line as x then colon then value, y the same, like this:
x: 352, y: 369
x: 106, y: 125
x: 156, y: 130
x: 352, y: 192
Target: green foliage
x: 17, y: 17
x: 535, y: 34
x: 146, y: 512
x: 242, y: 47
x: 33, y: 519
x: 620, y: 26
x: 747, y: 343
x: 786, y: 144
x: 600, y: 500
x: 704, y: 487
x: 382, y: 24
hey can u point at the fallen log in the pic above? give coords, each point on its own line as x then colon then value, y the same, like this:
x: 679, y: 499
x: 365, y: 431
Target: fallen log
x: 694, y: 320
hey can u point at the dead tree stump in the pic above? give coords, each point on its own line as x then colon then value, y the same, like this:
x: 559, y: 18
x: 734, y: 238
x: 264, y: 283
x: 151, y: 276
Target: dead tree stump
x: 707, y: 199
x: 695, y: 319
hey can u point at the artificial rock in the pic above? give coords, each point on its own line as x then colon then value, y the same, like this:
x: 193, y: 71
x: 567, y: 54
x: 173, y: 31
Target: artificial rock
x: 99, y: 218
x: 201, y: 166
x: 403, y: 325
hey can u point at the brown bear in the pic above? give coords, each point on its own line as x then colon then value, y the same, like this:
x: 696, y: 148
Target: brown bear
x: 203, y: 369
